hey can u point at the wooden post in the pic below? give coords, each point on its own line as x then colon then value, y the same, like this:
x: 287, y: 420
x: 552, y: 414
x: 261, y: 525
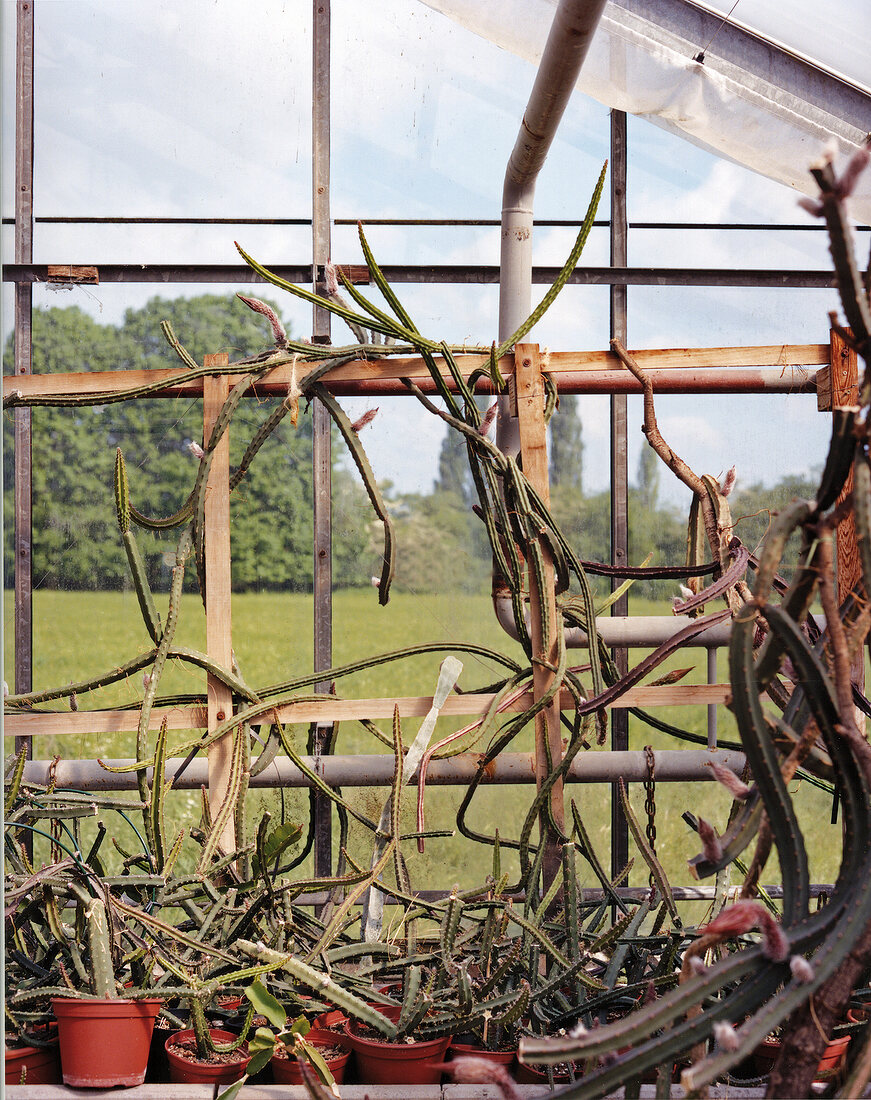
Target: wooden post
x: 844, y: 380
x: 218, y: 620
x: 529, y: 397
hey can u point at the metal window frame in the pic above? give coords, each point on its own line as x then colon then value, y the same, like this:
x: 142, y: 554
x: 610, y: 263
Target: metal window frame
x: 23, y: 273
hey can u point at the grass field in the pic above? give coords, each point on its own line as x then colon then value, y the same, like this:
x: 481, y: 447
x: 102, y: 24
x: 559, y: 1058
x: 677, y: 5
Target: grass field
x: 80, y: 634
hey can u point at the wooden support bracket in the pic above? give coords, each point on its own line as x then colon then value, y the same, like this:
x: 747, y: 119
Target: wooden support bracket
x: 844, y: 379
x: 218, y: 619
x: 529, y: 395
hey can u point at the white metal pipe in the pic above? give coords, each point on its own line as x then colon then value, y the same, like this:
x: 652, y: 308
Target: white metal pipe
x: 631, y: 631
x: 569, y: 40
x: 672, y: 766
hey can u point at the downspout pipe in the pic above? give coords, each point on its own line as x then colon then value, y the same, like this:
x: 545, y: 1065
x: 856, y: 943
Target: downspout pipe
x: 567, y: 45
x: 571, y: 33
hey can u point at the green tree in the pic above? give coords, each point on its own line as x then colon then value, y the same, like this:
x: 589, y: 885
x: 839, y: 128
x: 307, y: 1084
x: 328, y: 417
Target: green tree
x: 454, y: 475
x: 752, y: 507
x: 442, y: 547
x: 69, y: 486
x: 649, y: 471
x: 660, y: 531
x: 567, y: 446
x: 76, y: 543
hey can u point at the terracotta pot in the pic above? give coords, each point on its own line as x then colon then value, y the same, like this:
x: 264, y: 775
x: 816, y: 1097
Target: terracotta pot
x: 532, y: 1075
x: 766, y: 1055
x: 381, y: 1062
x: 333, y: 1020
x: 39, y: 1065
x: 286, y: 1071
x: 469, y: 1050
x: 184, y: 1070
x: 104, y: 1042
x: 649, y: 1076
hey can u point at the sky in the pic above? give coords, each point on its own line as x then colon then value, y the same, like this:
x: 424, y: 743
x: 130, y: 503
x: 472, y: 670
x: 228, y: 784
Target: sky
x: 201, y: 109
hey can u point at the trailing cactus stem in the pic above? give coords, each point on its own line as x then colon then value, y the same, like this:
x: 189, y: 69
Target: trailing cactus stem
x: 102, y: 970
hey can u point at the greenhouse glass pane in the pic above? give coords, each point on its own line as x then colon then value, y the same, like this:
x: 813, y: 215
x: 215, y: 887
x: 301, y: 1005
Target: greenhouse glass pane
x: 132, y: 119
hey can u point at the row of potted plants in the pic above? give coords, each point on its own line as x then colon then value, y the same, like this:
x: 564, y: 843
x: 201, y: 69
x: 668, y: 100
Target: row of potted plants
x: 238, y: 978
x: 277, y: 1047
x: 89, y: 944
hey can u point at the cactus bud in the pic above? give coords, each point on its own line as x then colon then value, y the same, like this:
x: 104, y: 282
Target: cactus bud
x: 801, y: 969
x: 726, y: 1036
x: 744, y: 916
x: 278, y: 333
x: 365, y: 419
x: 331, y: 279
x: 489, y: 417
x: 711, y: 846
x: 736, y: 788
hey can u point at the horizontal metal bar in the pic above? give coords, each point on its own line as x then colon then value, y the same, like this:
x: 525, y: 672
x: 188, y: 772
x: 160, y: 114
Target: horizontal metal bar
x: 572, y: 223
x: 448, y: 273
x: 424, y: 223
x: 62, y: 219
x: 672, y: 766
x: 686, y: 380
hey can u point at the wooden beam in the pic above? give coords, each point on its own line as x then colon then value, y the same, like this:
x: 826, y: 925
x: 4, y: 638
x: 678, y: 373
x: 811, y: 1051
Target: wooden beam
x: 219, y: 644
x: 844, y: 378
x: 332, y: 709
x: 695, y: 365
x: 65, y: 274
x: 528, y: 394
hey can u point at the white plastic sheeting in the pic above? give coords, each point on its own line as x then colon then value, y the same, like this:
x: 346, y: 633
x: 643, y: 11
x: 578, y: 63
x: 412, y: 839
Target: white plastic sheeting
x: 637, y: 67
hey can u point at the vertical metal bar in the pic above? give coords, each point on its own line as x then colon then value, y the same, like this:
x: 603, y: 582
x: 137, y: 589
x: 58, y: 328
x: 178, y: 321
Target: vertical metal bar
x: 23, y: 538
x: 619, y: 466
x: 712, y: 707
x: 321, y: 446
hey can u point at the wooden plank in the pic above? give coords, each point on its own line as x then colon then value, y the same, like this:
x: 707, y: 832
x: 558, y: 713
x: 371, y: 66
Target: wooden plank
x: 34, y: 723
x: 785, y: 356
x: 824, y: 389
x: 72, y: 273
x: 331, y: 709
x: 528, y: 394
x: 218, y: 591
x: 845, y: 391
x: 754, y: 355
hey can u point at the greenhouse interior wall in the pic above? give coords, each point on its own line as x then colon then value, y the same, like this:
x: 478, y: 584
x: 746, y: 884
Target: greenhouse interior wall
x: 138, y: 162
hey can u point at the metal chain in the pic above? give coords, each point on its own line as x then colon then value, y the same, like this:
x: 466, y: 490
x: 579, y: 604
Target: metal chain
x: 650, y: 801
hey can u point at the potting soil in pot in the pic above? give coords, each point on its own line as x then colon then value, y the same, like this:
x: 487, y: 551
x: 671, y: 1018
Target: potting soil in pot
x: 186, y: 1066
x: 401, y: 1062
x: 286, y: 1071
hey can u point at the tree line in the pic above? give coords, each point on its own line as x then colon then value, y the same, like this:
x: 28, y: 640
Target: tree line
x: 442, y: 544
